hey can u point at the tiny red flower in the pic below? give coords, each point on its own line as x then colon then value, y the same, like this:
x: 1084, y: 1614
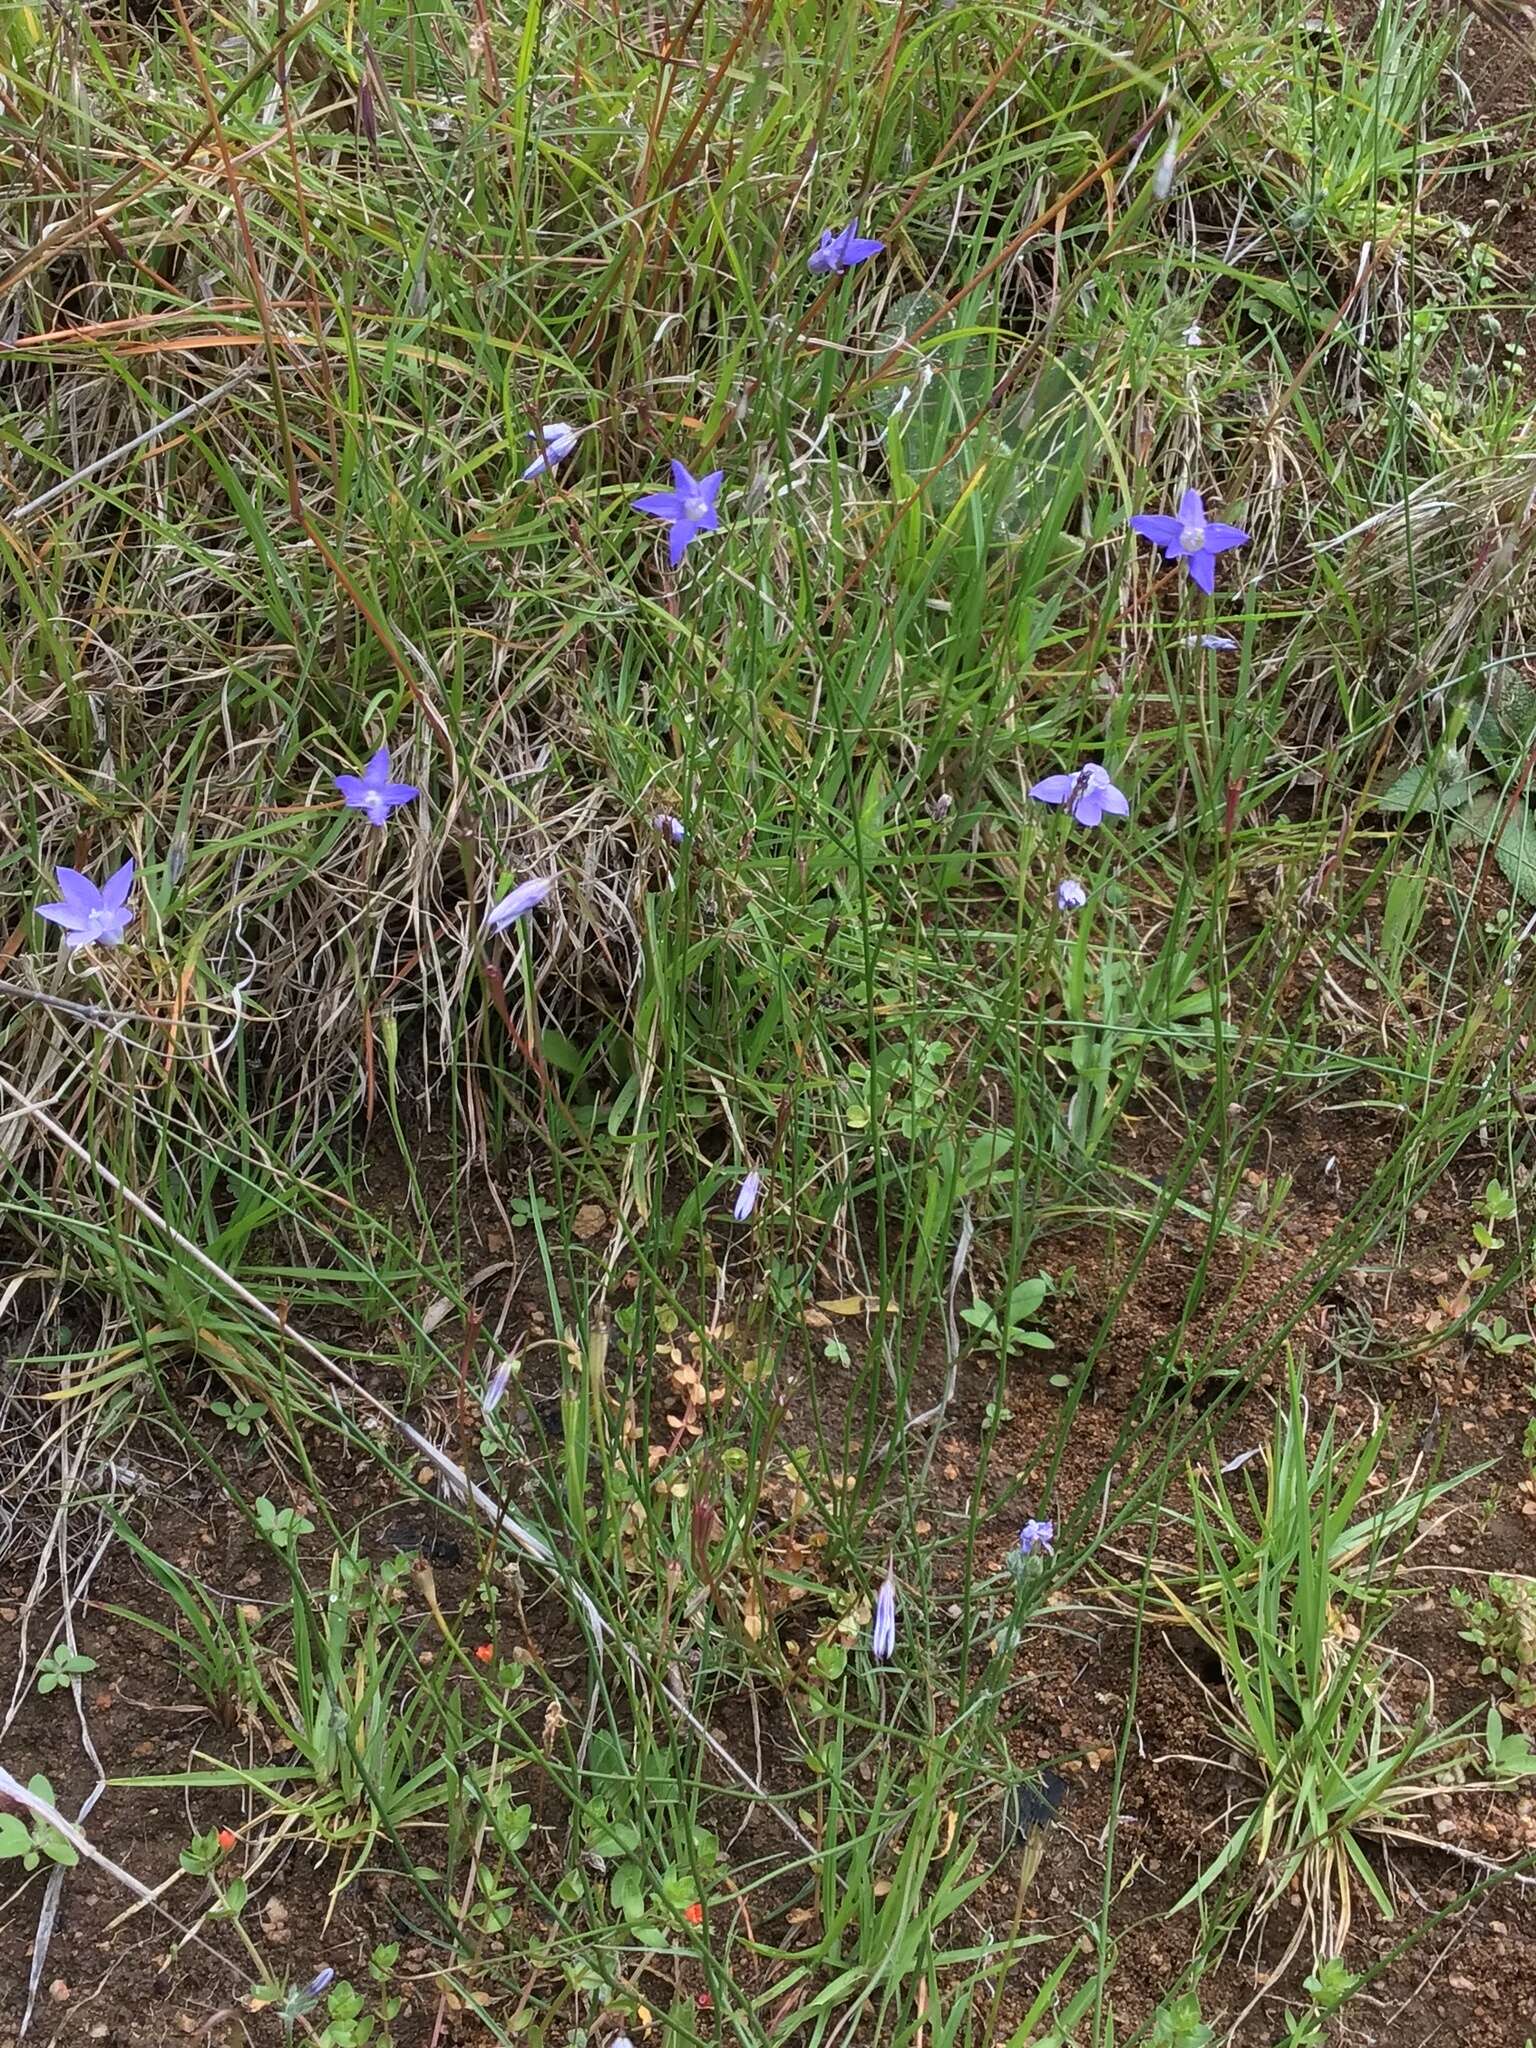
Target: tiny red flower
x: 227, y: 1839
x: 484, y: 1653
x: 694, y: 1914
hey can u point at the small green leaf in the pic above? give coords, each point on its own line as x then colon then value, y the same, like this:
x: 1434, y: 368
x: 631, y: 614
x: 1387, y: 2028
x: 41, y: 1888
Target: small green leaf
x: 1027, y: 1297
x: 626, y: 1888
x: 516, y: 1827
x: 831, y: 1660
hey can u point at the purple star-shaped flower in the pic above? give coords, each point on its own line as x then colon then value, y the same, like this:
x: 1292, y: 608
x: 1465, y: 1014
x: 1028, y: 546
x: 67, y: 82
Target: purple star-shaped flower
x: 1191, y: 538
x: 558, y: 441
x: 688, y: 509
x: 1037, y: 1536
x: 518, y: 902
x: 840, y: 251
x: 373, y: 793
x: 90, y: 916
x: 1089, y: 795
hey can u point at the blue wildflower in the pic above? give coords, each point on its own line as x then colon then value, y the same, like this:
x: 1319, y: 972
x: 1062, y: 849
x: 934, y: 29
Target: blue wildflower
x: 1190, y: 538
x: 90, y: 916
x: 372, y: 792
x: 1036, y: 1537
x: 1089, y: 795
x: 688, y: 508
x: 840, y: 251
x: 746, y: 1196
x: 1070, y: 894
x: 670, y: 827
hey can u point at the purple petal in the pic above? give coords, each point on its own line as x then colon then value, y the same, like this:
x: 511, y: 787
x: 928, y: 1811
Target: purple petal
x: 683, y: 531
x: 682, y: 478
x: 60, y: 913
x: 859, y: 248
x: 660, y: 504
x: 1219, y: 537
x: 1159, y: 527
x: 114, y: 890
x: 1113, y: 801
x: 1192, y: 508
x: 395, y: 793
x: 1089, y: 808
x: 353, y: 789
x: 377, y: 770
x: 78, y: 891
x: 709, y: 488
x: 1055, y: 789
x: 746, y: 1196
x: 1202, y: 570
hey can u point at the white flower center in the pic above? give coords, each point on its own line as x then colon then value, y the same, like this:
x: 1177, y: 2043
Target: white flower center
x: 373, y: 803
x: 1192, y: 538
x: 695, y: 505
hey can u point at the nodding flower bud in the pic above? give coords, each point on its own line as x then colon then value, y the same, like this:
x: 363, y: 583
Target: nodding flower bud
x: 882, y: 1634
x: 518, y: 902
